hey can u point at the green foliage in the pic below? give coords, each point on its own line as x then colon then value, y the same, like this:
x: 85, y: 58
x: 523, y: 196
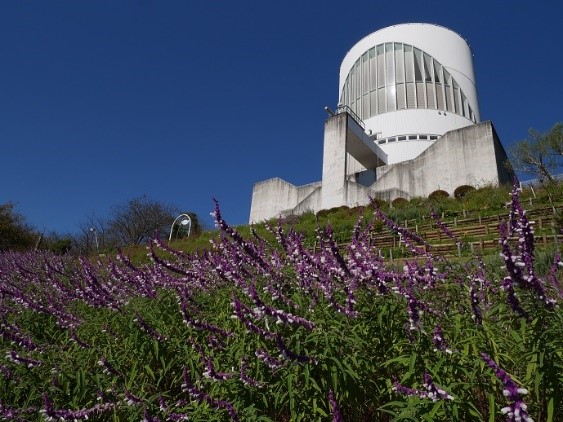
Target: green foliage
x: 15, y: 234
x: 358, y: 358
x: 540, y: 154
x: 60, y: 246
x: 108, y: 356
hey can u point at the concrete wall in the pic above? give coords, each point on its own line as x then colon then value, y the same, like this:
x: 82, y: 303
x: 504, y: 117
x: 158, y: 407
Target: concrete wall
x: 276, y: 197
x: 334, y: 161
x: 469, y: 156
x: 311, y: 202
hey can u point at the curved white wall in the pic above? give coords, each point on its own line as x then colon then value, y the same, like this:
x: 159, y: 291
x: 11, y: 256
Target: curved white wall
x: 410, y: 79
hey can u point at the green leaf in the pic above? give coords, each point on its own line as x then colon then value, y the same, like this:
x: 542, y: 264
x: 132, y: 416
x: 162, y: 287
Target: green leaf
x: 550, y: 407
x: 435, y: 409
x: 149, y: 371
x: 492, y: 410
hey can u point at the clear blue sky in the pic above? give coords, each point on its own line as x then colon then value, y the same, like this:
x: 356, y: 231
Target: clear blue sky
x: 102, y: 101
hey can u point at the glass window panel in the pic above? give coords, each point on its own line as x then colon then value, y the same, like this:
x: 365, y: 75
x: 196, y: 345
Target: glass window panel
x: 389, y: 64
x: 447, y: 77
x: 417, y: 65
x: 381, y: 100
x: 373, y: 103
x: 430, y: 98
x: 427, y: 68
x: 465, y: 106
x: 449, y: 98
x: 391, y: 98
x: 471, y: 114
x: 440, y: 97
x: 372, y: 69
x: 420, y: 98
x: 358, y: 79
x: 409, y: 64
x: 365, y: 73
x: 353, y: 84
x: 399, y: 63
x: 380, y: 67
x: 401, y: 100
x: 365, y: 107
x: 438, y: 72
x: 411, y: 102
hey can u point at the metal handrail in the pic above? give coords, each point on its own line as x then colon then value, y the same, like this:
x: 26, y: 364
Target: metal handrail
x: 344, y: 108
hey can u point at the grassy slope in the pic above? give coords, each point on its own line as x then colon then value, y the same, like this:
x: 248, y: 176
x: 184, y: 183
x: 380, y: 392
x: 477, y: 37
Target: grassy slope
x: 488, y: 201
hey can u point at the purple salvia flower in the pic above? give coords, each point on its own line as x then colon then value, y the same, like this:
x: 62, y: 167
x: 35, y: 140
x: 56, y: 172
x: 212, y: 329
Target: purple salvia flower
x: 476, y: 312
x: 432, y: 392
x: 210, y: 371
x: 202, y: 396
x: 407, y: 236
x: 512, y: 298
x: 438, y: 340
x: 6, y: 372
x: 557, y: 263
x: 336, y: 417
x: 280, y: 315
x: 200, y: 325
x: 516, y: 411
x: 288, y: 354
x: 21, y: 360
x: 76, y: 339
x: 177, y: 417
x: 247, y: 247
x: 11, y: 414
x: 445, y: 228
x: 246, y: 380
x: 272, y: 362
x: 148, y: 418
x: 107, y: 367
x: 52, y: 414
x: 411, y: 392
x: 131, y: 399
x: 148, y: 329
x: 242, y: 313
x: 12, y: 334
x: 520, y: 265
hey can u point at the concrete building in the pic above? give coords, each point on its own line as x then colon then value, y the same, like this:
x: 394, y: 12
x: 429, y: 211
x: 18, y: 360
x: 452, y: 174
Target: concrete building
x: 407, y: 124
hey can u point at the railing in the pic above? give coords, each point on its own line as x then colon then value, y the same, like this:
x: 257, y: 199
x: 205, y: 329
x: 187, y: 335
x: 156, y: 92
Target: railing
x: 345, y: 108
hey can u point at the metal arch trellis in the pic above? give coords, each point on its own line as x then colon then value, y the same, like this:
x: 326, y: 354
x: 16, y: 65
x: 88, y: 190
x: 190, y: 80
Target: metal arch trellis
x: 185, y: 220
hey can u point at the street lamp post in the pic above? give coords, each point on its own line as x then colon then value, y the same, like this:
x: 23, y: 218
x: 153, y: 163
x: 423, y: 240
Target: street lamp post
x: 185, y: 221
x: 93, y: 230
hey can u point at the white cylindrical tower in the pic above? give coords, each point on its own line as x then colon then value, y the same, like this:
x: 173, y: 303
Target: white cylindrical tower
x: 410, y: 84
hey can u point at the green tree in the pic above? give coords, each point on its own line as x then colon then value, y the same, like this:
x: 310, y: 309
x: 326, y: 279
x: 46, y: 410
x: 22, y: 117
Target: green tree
x: 541, y: 154
x: 15, y: 234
